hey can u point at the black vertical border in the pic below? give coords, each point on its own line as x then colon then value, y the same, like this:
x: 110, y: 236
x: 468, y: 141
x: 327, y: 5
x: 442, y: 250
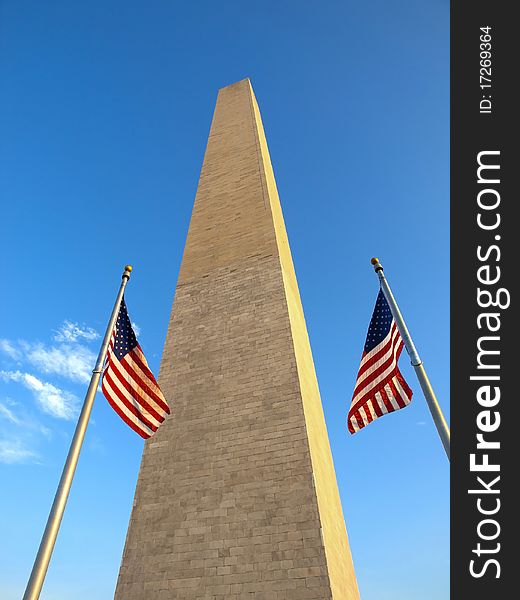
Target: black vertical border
x: 471, y: 133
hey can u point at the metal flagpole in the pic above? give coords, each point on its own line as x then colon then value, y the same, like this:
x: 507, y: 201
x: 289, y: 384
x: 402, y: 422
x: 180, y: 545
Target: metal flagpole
x: 429, y: 394
x: 41, y: 564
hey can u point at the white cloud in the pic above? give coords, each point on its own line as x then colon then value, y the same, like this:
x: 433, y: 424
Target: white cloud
x: 20, y: 432
x: 136, y: 328
x: 23, y: 419
x: 8, y: 414
x: 72, y: 361
x: 7, y: 348
x: 70, y: 332
x: 45, y: 431
x: 52, y: 400
x: 68, y: 359
x: 14, y: 452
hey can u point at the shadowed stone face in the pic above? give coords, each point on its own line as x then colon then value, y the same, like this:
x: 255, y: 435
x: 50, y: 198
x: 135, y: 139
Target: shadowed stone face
x: 237, y: 496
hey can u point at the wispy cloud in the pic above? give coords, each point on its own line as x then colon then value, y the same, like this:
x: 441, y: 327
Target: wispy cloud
x: 22, y: 418
x: 71, y: 332
x: 21, y: 433
x: 51, y: 399
x: 136, y: 328
x: 13, y: 451
x: 8, y: 414
x: 8, y: 348
x: 39, y: 364
x: 36, y: 366
x: 72, y: 361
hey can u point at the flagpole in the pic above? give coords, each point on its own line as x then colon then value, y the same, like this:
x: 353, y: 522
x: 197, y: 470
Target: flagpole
x: 429, y: 394
x: 41, y: 563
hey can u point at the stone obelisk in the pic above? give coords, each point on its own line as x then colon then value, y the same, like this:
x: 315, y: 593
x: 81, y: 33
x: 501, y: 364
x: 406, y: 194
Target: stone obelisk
x: 237, y: 496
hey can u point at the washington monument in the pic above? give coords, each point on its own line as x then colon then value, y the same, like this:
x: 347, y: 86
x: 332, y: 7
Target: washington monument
x: 237, y: 496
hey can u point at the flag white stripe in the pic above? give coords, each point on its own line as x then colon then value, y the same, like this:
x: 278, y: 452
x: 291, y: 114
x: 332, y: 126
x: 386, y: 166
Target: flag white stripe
x: 380, y: 378
x: 153, y: 384
x: 128, y: 414
x: 402, y: 393
x: 369, y: 355
x: 363, y: 414
x: 131, y: 400
x: 370, y: 406
x: 391, y: 397
x: 127, y: 377
x: 379, y: 362
x: 381, y: 403
x: 146, y: 379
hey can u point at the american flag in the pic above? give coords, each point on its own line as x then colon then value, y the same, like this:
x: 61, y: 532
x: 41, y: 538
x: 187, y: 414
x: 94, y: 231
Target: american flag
x: 380, y: 387
x: 128, y: 384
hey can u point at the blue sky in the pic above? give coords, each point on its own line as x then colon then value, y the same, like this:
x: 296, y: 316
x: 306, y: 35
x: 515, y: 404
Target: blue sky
x: 105, y: 109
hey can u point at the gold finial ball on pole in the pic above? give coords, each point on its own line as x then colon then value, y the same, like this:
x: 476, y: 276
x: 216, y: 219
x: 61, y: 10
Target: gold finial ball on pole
x: 377, y: 265
x: 127, y: 271
x: 128, y: 268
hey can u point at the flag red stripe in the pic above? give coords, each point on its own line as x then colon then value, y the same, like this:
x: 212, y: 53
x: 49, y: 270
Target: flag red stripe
x: 115, y: 392
x: 125, y: 363
x: 147, y: 379
x: 384, y: 371
x: 396, y: 394
x: 377, y: 408
x: 112, y: 394
x: 402, y: 402
x: 371, y: 353
x: 404, y: 385
x: 123, y: 402
x: 393, y: 356
x: 372, y: 391
x: 380, y: 353
x: 129, y: 400
x: 144, y: 434
x: 143, y: 365
x: 377, y: 387
x: 354, y: 419
x: 135, y: 395
x: 357, y: 418
x: 126, y: 374
x: 386, y: 400
x: 130, y: 423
